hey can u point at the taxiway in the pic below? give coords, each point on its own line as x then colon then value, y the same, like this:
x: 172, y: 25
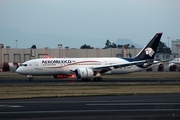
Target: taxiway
x: 142, y: 107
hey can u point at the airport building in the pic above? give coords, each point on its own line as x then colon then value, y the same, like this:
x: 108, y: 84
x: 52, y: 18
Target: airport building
x: 15, y: 56
x: 175, y: 44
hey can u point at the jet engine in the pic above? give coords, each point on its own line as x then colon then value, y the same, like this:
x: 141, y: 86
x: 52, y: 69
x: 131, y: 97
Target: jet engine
x: 84, y: 73
x: 173, y: 67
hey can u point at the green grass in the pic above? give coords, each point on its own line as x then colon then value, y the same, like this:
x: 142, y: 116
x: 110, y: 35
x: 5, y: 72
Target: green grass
x: 30, y: 91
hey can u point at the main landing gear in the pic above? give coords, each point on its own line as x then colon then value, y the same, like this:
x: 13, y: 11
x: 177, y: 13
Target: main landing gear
x: 95, y: 79
x: 30, y: 78
x: 87, y: 79
x: 98, y: 77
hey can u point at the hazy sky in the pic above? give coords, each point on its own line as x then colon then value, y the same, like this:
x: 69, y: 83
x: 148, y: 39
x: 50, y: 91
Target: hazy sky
x: 137, y: 20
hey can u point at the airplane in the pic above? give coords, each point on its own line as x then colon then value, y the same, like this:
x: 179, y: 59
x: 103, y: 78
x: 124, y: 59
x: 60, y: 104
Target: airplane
x: 174, y: 65
x: 91, y: 68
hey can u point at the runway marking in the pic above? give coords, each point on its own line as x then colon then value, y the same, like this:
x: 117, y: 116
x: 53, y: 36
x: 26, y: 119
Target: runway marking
x: 3, y: 105
x: 114, y: 104
x: 15, y: 106
x: 87, y: 111
x: 11, y: 106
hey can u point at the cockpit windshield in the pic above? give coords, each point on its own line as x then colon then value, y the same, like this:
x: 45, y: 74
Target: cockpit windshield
x: 23, y: 65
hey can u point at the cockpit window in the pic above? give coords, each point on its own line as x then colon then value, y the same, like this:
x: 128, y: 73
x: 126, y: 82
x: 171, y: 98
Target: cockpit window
x: 23, y: 65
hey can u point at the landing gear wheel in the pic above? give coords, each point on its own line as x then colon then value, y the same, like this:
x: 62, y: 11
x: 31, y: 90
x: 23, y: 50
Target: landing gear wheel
x: 30, y: 79
x: 86, y: 79
x: 95, y: 79
x: 98, y: 79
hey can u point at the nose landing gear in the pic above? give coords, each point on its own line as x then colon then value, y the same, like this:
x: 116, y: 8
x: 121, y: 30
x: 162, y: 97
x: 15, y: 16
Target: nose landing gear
x: 30, y: 78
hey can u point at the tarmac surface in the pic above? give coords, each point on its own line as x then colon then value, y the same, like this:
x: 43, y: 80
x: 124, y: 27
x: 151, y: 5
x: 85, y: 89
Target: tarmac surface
x: 59, y: 81
x: 131, y: 107
x: 128, y: 107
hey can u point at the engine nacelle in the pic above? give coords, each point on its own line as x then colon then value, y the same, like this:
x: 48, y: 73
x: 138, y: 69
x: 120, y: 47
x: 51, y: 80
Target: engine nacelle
x: 174, y: 67
x: 84, y: 73
x: 60, y: 76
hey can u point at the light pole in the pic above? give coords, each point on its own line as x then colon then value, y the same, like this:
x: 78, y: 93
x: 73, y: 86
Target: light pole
x: 168, y: 41
x: 16, y: 43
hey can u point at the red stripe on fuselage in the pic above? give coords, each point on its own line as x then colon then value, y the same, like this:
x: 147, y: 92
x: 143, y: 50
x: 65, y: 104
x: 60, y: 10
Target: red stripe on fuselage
x: 72, y: 64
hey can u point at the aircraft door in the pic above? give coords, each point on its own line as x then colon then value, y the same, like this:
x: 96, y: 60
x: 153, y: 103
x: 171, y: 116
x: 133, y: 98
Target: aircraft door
x: 35, y: 67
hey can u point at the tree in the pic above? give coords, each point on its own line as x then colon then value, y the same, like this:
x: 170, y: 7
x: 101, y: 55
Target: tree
x: 86, y: 47
x: 132, y: 46
x: 120, y: 46
x: 113, y: 45
x: 33, y: 47
x: 162, y: 48
x: 126, y: 46
x: 108, y: 44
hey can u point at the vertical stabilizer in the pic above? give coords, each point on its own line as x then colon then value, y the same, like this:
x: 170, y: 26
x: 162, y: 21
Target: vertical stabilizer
x: 149, y: 51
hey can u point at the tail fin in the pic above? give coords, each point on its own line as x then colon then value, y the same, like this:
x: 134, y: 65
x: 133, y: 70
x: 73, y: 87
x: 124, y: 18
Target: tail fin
x: 149, y: 51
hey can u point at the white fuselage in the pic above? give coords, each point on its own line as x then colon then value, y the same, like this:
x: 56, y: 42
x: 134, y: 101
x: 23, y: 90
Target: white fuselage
x: 56, y: 66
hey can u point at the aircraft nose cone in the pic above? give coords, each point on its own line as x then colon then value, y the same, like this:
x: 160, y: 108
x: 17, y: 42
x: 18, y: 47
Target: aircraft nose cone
x: 18, y: 70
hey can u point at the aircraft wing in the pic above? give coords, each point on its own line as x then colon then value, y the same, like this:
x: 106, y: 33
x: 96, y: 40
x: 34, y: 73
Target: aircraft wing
x: 106, y: 68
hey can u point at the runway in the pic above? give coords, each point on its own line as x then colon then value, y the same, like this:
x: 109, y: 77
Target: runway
x: 142, y: 107
x: 60, y: 81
